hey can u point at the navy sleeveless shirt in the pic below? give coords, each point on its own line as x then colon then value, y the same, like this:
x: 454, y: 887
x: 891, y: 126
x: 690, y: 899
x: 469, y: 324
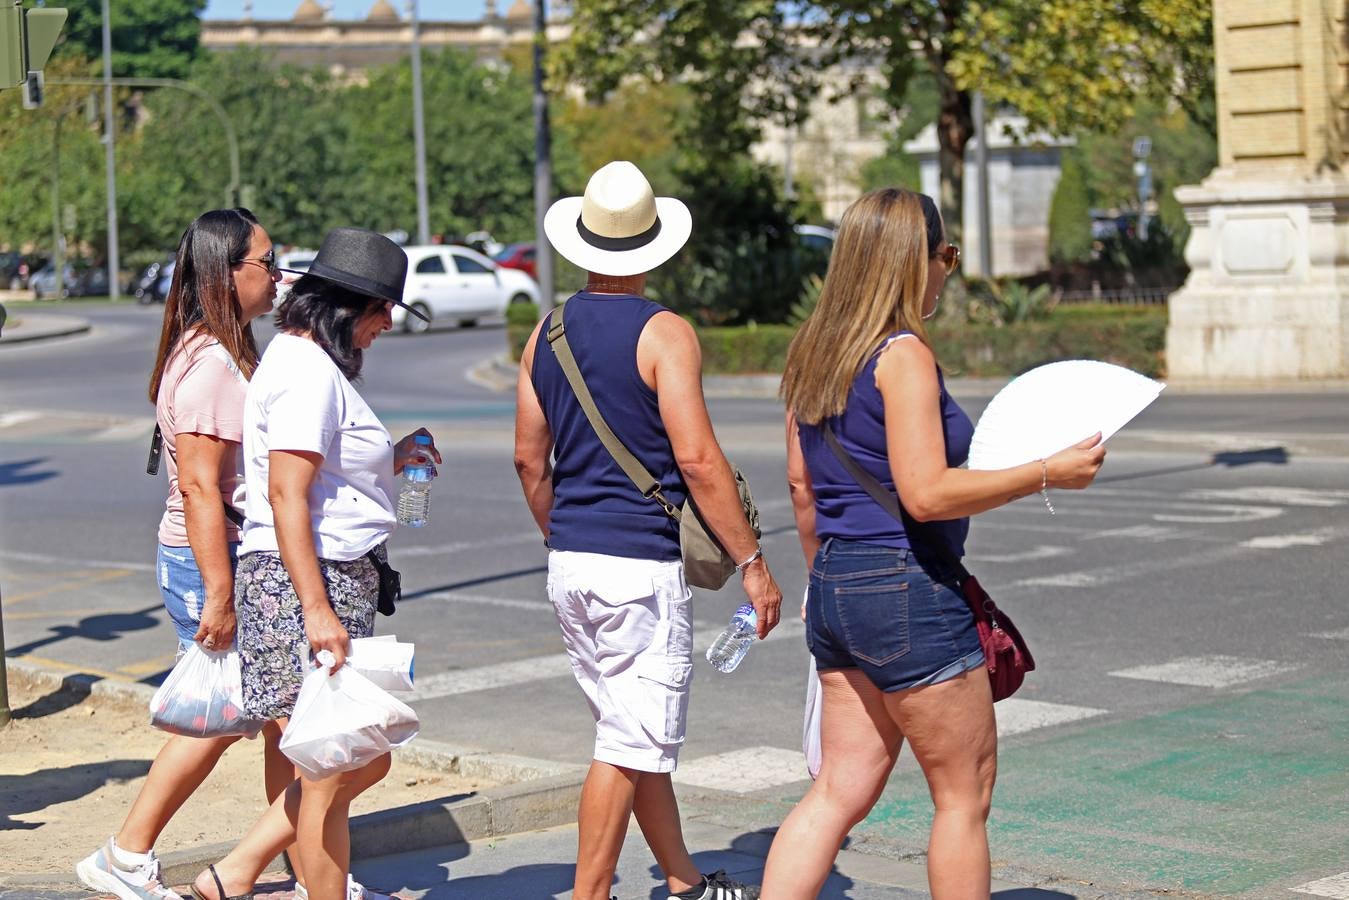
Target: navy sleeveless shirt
x: 843, y: 509
x: 597, y: 508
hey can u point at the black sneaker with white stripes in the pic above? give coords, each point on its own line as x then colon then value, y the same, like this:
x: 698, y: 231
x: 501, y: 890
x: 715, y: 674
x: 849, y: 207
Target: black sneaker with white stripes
x: 719, y: 886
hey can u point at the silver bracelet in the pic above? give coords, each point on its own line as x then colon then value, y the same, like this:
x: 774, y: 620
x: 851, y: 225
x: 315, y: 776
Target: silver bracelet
x: 757, y: 554
x: 1044, y: 485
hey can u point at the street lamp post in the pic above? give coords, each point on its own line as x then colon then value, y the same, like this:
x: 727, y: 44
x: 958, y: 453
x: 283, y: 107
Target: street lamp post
x: 543, y: 164
x: 110, y: 156
x: 419, y: 128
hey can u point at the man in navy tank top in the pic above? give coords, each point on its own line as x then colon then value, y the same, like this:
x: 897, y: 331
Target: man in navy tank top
x: 614, y: 572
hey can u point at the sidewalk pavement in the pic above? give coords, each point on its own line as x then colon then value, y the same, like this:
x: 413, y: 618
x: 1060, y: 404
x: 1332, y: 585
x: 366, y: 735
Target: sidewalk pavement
x: 22, y: 325
x: 516, y: 841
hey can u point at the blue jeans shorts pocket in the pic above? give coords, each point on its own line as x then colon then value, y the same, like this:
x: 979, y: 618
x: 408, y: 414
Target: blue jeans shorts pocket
x: 875, y: 620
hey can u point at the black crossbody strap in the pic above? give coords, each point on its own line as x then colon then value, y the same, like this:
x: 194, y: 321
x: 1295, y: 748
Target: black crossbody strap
x: 631, y: 466
x: 889, y: 501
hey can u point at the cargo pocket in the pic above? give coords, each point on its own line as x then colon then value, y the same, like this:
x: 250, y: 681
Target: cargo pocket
x: 665, y: 699
x: 625, y: 613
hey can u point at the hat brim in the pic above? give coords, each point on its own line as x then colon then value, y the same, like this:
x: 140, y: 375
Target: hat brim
x: 359, y: 286
x: 676, y: 224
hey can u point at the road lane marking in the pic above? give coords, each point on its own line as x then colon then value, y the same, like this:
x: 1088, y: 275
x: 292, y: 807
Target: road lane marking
x: 71, y: 562
x: 1063, y: 579
x: 1153, y: 533
x: 1016, y: 716
x: 76, y: 667
x: 1284, y: 541
x: 503, y: 602
x: 18, y: 417
x: 1042, y: 551
x: 1279, y: 496
x: 1336, y: 886
x: 1221, y: 514
x: 543, y: 668
x: 744, y: 771
x: 1207, y: 671
x: 68, y: 585
x: 1341, y: 635
x: 150, y: 666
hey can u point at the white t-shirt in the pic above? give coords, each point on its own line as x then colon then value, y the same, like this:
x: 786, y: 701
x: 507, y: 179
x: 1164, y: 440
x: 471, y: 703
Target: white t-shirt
x: 299, y: 400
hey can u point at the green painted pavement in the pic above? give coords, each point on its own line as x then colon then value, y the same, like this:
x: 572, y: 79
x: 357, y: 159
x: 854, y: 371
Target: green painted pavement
x: 1248, y: 794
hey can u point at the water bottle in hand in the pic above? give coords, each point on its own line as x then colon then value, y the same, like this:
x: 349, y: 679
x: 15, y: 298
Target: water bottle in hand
x: 414, y: 495
x: 732, y: 644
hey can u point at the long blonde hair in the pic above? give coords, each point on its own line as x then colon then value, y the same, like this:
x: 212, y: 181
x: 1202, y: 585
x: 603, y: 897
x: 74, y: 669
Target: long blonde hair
x: 875, y: 285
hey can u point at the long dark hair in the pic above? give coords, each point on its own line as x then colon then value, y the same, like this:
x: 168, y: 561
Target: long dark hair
x: 328, y: 312
x: 202, y: 292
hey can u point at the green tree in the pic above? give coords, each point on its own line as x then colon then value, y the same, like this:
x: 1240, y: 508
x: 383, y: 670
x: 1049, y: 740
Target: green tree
x: 479, y: 156
x: 1070, y: 215
x: 28, y: 146
x: 150, y: 38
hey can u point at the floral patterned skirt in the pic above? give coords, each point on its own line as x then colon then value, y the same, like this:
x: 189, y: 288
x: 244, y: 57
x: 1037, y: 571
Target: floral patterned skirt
x: 271, y: 639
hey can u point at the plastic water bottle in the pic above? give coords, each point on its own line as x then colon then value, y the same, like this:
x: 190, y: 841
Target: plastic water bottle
x: 732, y: 644
x: 414, y: 496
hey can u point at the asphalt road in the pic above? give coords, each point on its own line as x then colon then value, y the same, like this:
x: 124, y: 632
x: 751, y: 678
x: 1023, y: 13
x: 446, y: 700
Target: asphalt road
x: 1186, y: 728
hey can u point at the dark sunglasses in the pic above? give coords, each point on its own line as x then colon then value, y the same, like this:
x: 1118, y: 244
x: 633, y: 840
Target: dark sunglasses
x: 266, y: 260
x: 950, y: 257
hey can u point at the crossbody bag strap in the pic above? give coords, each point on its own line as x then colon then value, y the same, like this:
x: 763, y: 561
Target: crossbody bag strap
x: 889, y: 502
x: 636, y: 472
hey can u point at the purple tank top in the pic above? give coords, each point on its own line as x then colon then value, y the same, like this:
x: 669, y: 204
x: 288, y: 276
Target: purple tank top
x: 842, y: 508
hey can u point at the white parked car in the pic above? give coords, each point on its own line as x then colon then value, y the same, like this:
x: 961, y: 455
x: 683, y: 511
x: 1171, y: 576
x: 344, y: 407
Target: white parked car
x: 292, y: 261
x: 449, y: 283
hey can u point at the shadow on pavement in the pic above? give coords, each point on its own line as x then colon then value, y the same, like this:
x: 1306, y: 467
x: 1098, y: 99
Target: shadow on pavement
x: 476, y: 582
x: 1032, y: 894
x: 107, y: 627
x: 1231, y: 459
x: 438, y: 881
x: 12, y: 473
x: 57, y: 701
x: 47, y: 787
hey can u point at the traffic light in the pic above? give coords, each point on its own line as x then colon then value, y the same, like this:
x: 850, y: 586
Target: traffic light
x: 27, y: 37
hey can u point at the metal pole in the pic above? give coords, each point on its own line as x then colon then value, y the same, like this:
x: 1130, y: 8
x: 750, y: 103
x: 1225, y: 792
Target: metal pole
x: 419, y: 129
x: 981, y: 164
x: 58, y: 240
x: 543, y: 163
x: 110, y: 155
x: 4, y: 679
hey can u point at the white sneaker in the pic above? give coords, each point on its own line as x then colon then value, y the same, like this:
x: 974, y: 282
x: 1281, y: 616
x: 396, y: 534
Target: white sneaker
x: 355, y: 891
x: 101, y: 871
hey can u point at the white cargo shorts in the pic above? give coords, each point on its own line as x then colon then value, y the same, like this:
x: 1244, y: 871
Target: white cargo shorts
x: 628, y: 630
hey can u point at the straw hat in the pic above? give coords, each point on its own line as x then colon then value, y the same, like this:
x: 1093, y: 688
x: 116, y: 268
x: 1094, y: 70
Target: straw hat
x: 619, y: 227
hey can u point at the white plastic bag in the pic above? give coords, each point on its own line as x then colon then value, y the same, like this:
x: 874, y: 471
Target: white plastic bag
x: 343, y: 721
x: 810, y: 733
x: 203, y: 696
x: 384, y: 660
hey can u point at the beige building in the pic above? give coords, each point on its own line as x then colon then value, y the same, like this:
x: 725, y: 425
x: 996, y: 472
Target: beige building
x: 1268, y: 293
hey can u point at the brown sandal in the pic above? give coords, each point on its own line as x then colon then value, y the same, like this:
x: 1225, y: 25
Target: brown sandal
x: 219, y: 889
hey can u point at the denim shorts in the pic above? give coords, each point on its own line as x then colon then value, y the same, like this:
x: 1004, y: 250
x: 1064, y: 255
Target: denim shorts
x: 904, y: 624
x: 183, y: 591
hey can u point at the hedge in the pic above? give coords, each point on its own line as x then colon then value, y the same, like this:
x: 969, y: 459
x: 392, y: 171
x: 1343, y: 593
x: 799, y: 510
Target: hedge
x: 1133, y: 336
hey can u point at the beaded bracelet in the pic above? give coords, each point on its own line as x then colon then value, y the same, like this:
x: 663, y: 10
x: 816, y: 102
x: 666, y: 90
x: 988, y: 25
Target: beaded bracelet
x: 1044, y: 485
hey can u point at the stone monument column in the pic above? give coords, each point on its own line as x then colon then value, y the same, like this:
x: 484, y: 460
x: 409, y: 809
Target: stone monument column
x: 1268, y: 294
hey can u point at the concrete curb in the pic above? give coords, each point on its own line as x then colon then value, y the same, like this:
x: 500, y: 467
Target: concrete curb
x: 533, y: 793
x: 36, y: 327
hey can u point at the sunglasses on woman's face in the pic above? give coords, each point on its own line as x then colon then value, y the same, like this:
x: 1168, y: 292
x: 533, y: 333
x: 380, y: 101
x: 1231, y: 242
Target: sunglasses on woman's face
x: 949, y: 256
x: 266, y: 260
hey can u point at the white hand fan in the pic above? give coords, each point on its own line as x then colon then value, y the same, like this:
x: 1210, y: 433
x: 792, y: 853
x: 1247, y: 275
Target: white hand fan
x: 1055, y: 406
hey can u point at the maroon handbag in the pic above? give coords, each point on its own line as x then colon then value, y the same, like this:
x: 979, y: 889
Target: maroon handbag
x: 1005, y: 652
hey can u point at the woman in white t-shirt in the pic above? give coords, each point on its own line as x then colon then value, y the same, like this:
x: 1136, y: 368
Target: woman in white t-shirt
x: 319, y: 468
x: 226, y: 277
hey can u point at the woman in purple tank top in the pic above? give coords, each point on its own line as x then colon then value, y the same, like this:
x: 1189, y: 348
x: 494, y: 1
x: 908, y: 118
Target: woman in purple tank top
x: 893, y: 640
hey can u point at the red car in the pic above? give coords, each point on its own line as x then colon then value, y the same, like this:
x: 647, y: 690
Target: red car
x: 518, y: 256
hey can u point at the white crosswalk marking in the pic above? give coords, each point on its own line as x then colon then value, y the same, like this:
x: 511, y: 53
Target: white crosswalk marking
x: 1336, y: 886
x: 1207, y: 671
x: 1341, y: 635
x: 743, y: 771
x: 1284, y: 541
x: 1281, y: 496
x: 1017, y: 716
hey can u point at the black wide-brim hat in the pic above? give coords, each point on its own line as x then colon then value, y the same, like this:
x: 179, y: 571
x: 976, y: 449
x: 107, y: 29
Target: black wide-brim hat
x: 363, y: 261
